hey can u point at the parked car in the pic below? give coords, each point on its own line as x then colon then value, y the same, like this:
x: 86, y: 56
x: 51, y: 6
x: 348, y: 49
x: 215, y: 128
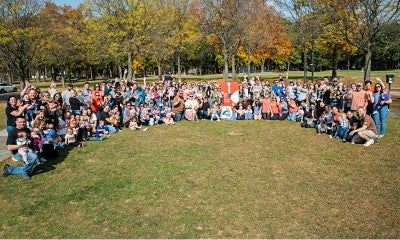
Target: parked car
x: 6, y: 87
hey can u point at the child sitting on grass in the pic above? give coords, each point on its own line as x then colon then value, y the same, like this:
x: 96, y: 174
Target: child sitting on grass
x: 101, y: 132
x: 70, y: 138
x: 133, y: 125
x: 343, y: 127
x: 169, y: 120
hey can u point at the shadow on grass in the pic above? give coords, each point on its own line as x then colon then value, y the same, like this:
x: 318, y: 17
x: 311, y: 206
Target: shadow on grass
x: 52, y: 162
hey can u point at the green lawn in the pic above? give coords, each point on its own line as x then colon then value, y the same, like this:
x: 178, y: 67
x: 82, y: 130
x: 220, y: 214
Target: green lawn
x: 346, y: 75
x: 243, y: 179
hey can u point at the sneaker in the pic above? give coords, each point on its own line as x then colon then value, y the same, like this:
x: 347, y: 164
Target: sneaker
x: 381, y: 136
x: 376, y: 140
x: 330, y: 136
x: 14, y: 159
x: 26, y: 177
x: 352, y: 142
x: 144, y: 130
x: 344, y: 140
x: 5, y: 170
x: 42, y: 160
x: 218, y: 120
x: 369, y: 142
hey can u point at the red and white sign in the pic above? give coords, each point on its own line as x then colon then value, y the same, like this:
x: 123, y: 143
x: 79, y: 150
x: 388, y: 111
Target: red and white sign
x: 231, y: 93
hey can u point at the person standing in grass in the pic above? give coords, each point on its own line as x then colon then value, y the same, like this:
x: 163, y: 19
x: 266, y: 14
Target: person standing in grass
x: 26, y: 170
x: 359, y: 98
x: 266, y: 107
x: 380, y: 109
x: 367, y: 132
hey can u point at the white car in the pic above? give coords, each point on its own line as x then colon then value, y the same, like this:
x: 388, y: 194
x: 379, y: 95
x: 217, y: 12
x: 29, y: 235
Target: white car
x: 6, y: 87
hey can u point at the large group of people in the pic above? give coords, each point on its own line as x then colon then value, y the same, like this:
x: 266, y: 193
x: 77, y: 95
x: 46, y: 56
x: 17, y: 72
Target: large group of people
x: 355, y: 113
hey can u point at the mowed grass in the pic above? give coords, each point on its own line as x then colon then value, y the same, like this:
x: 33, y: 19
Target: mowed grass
x: 242, y: 179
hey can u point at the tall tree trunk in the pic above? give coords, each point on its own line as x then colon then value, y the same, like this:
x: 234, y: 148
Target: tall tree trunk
x: 367, y: 65
x: 45, y: 72
x: 288, y: 69
x: 130, y: 73
x: 53, y: 74
x: 305, y: 63
x: 248, y: 62
x: 91, y: 72
x: 179, y: 67
x: 262, y: 65
x: 234, y: 75
x: 62, y: 77
x: 226, y: 66
x: 312, y: 61
x: 335, y: 59
x: 159, y: 67
x: 348, y: 61
x: 68, y: 74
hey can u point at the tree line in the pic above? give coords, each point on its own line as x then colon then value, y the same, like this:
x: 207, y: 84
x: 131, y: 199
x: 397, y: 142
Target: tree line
x: 127, y: 37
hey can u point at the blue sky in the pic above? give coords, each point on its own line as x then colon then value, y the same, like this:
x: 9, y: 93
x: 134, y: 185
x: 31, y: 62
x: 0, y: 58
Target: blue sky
x: 73, y: 3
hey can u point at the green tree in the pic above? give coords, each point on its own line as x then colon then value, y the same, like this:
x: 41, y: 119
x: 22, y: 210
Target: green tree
x: 362, y: 23
x: 61, y: 40
x: 225, y: 19
x: 125, y: 25
x: 18, y: 30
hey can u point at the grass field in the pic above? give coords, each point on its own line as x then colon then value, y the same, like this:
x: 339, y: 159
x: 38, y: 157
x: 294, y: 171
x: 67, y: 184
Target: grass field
x: 345, y: 76
x: 243, y: 179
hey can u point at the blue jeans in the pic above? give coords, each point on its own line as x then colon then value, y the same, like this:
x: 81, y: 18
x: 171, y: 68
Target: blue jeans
x: 76, y: 112
x: 178, y: 117
x: 111, y: 129
x: 380, y: 119
x: 343, y: 133
x: 10, y: 129
x: 292, y: 117
x: 27, y: 169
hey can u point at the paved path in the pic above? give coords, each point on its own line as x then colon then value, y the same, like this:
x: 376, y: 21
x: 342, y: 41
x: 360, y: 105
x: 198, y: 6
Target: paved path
x: 4, y: 154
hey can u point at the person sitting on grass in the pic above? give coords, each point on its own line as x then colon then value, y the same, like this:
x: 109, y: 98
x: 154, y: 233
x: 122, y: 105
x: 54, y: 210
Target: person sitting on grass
x: 169, y: 120
x: 248, y: 115
x: 12, y: 146
x: 101, y: 132
x: 321, y: 124
x: 241, y: 112
x: 367, y: 132
x: 257, y: 110
x: 71, y: 139
x: 335, y: 122
x: 133, y: 124
x: 214, y: 111
x: 344, y: 123
x: 105, y: 115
